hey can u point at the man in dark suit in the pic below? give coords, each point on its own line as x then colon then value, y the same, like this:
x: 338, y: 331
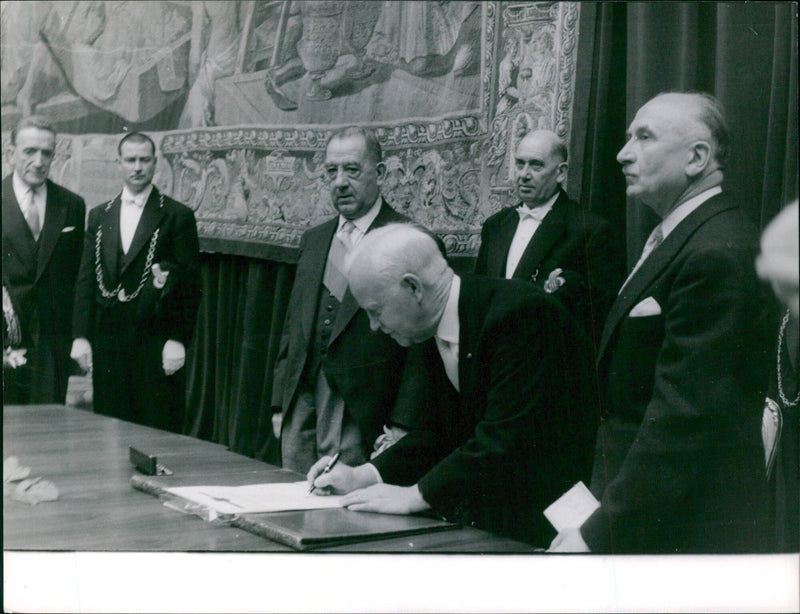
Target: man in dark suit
x: 43, y: 225
x: 551, y: 240
x: 522, y: 427
x: 337, y: 384
x: 679, y: 465
x: 137, y: 296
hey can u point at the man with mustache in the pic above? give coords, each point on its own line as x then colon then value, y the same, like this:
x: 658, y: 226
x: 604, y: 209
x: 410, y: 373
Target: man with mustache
x: 337, y: 384
x: 137, y: 296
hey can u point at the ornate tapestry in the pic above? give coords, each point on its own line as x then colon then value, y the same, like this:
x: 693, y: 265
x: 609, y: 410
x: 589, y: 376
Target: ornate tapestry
x: 240, y: 98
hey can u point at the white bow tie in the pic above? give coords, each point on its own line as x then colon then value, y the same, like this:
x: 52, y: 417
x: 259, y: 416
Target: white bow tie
x: 136, y: 202
x: 537, y: 214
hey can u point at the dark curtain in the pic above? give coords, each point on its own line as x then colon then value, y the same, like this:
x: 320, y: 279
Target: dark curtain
x: 744, y: 53
x: 229, y: 378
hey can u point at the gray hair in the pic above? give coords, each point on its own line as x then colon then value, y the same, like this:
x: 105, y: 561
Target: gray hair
x: 392, y: 250
x: 32, y: 121
x: 710, y: 112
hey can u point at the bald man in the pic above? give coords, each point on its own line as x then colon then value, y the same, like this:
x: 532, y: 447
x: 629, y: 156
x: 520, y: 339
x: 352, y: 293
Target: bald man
x: 679, y: 465
x: 550, y: 240
x: 522, y: 427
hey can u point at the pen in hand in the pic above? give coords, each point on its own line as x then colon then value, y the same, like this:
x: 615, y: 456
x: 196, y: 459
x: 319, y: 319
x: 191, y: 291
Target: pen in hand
x: 327, y: 469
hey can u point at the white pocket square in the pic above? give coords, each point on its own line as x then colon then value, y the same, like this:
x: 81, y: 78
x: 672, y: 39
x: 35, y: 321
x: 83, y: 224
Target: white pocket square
x: 648, y: 307
x: 68, y: 229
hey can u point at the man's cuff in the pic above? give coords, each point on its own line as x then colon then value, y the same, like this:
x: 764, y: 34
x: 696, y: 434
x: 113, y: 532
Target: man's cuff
x: 80, y: 346
x: 375, y: 473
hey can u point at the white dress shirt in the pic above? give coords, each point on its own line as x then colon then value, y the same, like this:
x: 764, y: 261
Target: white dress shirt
x: 447, y: 333
x: 130, y: 214
x: 529, y: 222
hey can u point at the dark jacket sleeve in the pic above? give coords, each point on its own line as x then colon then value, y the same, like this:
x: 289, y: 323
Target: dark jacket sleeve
x: 83, y: 312
x: 180, y: 297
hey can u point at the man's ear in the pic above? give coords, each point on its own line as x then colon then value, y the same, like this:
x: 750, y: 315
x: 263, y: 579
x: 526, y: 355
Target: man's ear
x: 699, y: 157
x: 413, y: 284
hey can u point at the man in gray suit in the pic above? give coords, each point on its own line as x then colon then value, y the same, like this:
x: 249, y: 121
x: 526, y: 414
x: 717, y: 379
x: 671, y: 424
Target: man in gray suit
x: 337, y: 384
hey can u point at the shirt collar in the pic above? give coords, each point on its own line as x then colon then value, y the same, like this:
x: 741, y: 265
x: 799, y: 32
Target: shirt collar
x: 682, y: 211
x: 546, y: 206
x: 363, y: 223
x: 140, y: 198
x: 449, y: 328
x: 21, y: 188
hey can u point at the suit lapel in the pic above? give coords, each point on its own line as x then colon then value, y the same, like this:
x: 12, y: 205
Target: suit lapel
x: 110, y: 243
x: 657, y: 261
x: 498, y: 249
x: 471, y: 312
x: 349, y: 306
x: 549, y: 232
x: 55, y: 214
x: 151, y: 218
x: 16, y: 231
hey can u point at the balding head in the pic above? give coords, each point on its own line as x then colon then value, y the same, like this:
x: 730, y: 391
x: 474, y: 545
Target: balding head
x: 398, y: 275
x: 540, y: 166
x: 703, y: 117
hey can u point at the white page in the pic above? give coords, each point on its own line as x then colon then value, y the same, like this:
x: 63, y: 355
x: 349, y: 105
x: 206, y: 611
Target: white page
x: 256, y: 498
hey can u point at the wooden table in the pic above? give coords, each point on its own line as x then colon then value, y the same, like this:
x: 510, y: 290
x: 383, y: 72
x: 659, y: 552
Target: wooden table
x: 86, y: 456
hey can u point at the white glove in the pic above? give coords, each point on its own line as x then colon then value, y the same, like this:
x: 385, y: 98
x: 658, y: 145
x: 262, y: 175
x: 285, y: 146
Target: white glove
x: 173, y: 356
x: 82, y: 353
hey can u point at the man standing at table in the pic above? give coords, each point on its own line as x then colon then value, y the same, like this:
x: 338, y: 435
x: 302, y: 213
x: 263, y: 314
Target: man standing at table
x: 679, y: 465
x: 137, y: 296
x: 523, y: 425
x: 336, y: 382
x: 43, y: 225
x: 550, y: 240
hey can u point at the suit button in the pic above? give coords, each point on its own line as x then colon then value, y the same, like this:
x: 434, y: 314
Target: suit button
x: 329, y: 308
x: 327, y: 322
x: 469, y: 354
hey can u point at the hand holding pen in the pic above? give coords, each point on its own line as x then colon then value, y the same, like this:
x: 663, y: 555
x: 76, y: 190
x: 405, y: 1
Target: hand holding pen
x: 330, y: 465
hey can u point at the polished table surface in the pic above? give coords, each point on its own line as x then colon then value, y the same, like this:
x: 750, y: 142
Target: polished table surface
x: 86, y: 456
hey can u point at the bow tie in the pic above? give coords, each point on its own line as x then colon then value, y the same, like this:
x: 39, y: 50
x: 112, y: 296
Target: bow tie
x: 534, y: 214
x: 135, y: 202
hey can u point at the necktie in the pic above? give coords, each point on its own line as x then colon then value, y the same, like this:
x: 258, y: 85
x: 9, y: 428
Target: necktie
x: 345, y: 235
x: 31, y: 213
x: 653, y: 241
x: 334, y: 278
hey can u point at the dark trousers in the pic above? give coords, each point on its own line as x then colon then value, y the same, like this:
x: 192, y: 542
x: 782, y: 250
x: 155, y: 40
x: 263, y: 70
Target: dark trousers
x: 129, y: 380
